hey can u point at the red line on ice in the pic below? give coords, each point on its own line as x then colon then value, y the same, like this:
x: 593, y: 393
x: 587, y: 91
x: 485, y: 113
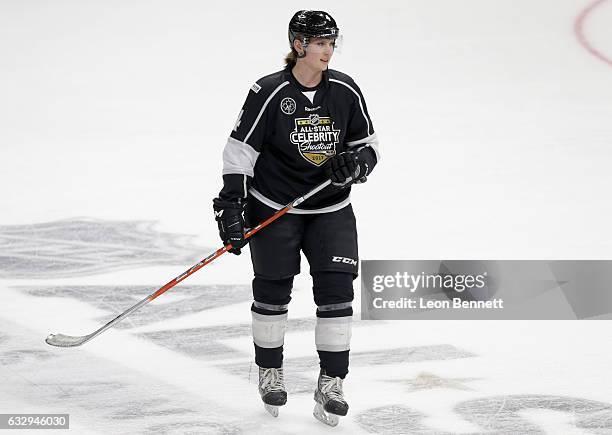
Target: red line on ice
x: 579, y: 31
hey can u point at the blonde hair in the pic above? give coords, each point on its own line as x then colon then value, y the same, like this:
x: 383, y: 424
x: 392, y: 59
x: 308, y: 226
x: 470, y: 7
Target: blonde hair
x: 291, y: 58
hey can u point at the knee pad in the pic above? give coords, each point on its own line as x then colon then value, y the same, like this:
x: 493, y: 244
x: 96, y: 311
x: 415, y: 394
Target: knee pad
x: 272, y: 292
x: 333, y: 291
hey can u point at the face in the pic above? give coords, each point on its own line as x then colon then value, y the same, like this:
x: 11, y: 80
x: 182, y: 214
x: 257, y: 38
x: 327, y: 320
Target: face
x: 318, y: 52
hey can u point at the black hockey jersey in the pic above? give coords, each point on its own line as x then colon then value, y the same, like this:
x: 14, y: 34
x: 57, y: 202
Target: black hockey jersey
x: 284, y: 135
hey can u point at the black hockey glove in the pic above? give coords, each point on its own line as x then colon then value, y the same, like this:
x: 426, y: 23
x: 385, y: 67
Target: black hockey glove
x: 230, y: 219
x: 347, y: 168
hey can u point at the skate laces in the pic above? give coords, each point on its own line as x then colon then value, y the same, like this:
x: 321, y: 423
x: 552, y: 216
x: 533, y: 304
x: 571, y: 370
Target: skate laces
x: 271, y: 380
x: 332, y: 387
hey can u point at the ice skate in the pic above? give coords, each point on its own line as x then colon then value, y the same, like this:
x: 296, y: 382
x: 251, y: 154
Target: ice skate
x: 330, y: 404
x: 272, y: 389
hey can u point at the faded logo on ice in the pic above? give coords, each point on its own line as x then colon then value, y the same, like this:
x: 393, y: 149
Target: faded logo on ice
x: 87, y: 246
x: 315, y: 138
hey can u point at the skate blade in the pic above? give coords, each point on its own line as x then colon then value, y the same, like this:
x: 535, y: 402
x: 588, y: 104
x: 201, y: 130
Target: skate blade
x: 324, y: 417
x: 271, y: 409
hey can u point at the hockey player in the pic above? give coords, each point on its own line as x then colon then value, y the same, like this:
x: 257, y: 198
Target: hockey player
x: 298, y: 127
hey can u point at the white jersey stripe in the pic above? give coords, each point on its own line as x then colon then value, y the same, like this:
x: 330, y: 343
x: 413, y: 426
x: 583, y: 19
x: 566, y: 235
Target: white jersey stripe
x: 358, y: 96
x: 282, y: 85
x: 277, y: 206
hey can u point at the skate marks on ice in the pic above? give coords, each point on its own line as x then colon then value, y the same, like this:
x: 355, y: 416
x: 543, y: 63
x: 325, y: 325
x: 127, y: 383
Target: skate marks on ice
x: 115, y: 299
x: 17, y: 356
x: 102, y: 395
x: 87, y: 246
x: 499, y: 415
x: 394, y: 419
x: 202, y: 343
x: 206, y: 343
x: 10, y: 354
x: 297, y: 383
x: 140, y: 403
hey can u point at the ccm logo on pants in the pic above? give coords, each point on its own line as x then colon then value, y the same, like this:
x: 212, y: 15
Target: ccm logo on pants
x: 344, y: 260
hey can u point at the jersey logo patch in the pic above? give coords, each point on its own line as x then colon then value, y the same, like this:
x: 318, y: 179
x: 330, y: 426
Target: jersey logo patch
x: 287, y: 105
x: 255, y: 88
x: 315, y: 138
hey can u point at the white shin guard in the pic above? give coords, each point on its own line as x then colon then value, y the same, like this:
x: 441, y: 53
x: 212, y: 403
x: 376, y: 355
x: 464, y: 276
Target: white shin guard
x: 333, y: 334
x: 269, y: 331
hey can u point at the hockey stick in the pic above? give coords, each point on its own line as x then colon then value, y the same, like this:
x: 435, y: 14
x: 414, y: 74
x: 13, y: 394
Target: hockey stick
x: 62, y: 340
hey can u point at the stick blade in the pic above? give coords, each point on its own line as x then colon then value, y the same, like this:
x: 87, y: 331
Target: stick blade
x: 61, y: 340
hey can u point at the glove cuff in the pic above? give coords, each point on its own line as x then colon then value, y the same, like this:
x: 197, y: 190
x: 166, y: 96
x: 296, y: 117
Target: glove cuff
x: 224, y: 203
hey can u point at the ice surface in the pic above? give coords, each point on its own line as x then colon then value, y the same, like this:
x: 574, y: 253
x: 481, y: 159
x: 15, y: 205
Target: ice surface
x: 494, y: 122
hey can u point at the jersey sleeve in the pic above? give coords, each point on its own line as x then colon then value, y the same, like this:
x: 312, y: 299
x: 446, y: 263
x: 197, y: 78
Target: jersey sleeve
x: 244, y: 144
x: 361, y: 136
x: 250, y: 126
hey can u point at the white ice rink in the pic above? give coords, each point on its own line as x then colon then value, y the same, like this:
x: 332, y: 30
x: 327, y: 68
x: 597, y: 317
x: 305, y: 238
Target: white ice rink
x: 495, y: 122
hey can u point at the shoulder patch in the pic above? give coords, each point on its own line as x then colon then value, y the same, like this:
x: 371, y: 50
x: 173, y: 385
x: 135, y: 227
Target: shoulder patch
x: 255, y: 88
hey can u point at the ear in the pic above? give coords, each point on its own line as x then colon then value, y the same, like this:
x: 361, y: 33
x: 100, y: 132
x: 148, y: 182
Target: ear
x: 298, y: 46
